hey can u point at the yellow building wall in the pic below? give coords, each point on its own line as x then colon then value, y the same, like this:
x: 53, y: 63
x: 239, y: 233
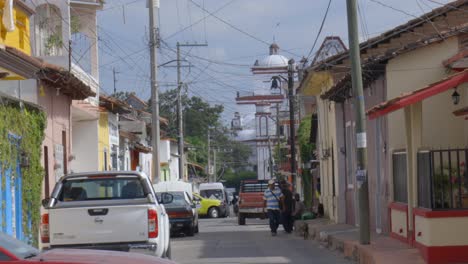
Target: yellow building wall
x: 20, y: 37
x: 415, y: 70
x: 316, y: 84
x: 103, y: 144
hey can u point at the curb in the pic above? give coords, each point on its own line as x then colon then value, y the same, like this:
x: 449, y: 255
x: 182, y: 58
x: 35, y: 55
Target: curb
x: 342, y: 238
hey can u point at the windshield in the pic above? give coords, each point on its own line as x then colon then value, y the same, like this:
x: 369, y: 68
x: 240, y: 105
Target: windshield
x: 213, y: 194
x: 16, y: 247
x: 178, y: 200
x: 108, y: 188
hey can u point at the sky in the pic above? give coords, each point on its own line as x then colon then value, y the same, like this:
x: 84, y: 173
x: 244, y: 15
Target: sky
x: 237, y: 33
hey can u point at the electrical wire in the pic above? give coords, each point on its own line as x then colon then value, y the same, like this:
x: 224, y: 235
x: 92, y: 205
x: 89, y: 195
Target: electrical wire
x: 199, y: 21
x: 237, y: 28
x: 320, y: 30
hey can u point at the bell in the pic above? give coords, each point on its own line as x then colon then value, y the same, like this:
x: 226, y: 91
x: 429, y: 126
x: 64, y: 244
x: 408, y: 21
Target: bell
x: 274, y: 84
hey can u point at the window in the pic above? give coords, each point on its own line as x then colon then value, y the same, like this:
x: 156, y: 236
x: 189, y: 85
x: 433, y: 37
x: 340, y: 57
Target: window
x: 101, y: 188
x: 400, y: 188
x: 48, y: 31
x: 424, y: 179
x: 105, y: 160
x: 213, y: 194
x: 178, y: 200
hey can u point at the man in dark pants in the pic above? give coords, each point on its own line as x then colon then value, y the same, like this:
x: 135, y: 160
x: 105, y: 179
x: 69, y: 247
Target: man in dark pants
x: 288, y: 207
x: 272, y: 198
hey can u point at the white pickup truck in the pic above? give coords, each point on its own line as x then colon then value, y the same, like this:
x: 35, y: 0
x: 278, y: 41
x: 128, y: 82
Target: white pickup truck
x: 106, y: 210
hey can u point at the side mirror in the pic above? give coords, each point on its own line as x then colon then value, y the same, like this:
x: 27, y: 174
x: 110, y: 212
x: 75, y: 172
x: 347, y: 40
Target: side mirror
x: 166, y: 198
x: 45, y: 202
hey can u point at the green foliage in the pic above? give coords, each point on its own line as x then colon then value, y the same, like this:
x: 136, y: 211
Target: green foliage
x: 75, y: 24
x: 303, y: 135
x: 29, y: 124
x: 233, y: 179
x: 199, y: 116
x: 53, y: 42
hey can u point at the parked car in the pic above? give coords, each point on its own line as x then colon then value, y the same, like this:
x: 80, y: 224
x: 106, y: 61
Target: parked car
x: 176, y: 186
x: 107, y: 210
x: 207, y: 207
x: 216, y: 190
x: 18, y: 252
x: 181, y: 216
x: 251, y: 204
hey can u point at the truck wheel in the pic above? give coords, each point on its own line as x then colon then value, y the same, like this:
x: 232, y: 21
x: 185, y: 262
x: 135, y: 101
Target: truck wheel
x: 241, y: 219
x: 167, y: 254
x: 214, y: 212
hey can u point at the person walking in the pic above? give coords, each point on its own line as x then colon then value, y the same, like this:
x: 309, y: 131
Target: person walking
x: 287, y: 207
x: 272, y: 198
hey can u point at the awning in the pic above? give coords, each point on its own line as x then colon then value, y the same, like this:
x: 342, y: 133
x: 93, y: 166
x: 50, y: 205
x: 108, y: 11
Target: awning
x: 418, y: 95
x: 17, y: 65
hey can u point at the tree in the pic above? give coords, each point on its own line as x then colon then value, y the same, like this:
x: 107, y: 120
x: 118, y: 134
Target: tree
x: 199, y: 116
x: 233, y: 179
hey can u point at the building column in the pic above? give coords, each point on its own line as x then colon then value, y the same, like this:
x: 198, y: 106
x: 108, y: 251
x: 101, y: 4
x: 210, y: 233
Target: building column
x: 413, y: 124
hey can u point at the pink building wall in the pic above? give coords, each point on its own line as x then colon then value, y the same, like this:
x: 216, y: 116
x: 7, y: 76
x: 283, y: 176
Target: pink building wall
x: 57, y: 108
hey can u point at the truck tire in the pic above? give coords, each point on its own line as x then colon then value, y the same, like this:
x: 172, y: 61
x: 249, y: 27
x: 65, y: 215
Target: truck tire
x: 241, y: 219
x: 213, y: 212
x: 167, y: 254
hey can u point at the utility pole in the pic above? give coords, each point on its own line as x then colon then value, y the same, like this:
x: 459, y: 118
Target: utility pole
x: 361, y: 139
x: 214, y: 166
x: 278, y: 142
x: 209, y: 156
x: 115, y: 80
x: 292, y: 121
x: 153, y: 43
x: 180, y: 114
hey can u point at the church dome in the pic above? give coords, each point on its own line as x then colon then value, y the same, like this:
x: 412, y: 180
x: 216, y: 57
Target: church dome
x: 273, y: 60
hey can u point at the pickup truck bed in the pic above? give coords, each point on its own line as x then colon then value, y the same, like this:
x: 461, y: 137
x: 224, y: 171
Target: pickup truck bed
x: 251, y: 204
x: 106, y: 210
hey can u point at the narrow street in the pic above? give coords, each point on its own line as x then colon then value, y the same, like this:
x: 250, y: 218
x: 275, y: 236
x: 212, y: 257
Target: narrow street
x: 223, y: 241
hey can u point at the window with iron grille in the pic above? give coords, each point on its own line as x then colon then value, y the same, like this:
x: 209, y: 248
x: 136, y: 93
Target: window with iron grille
x: 448, y: 179
x: 400, y: 188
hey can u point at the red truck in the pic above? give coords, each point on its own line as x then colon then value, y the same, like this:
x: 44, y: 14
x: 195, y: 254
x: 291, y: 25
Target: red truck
x: 251, y: 203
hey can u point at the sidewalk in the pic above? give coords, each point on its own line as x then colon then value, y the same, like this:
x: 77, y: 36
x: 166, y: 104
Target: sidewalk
x: 345, y: 239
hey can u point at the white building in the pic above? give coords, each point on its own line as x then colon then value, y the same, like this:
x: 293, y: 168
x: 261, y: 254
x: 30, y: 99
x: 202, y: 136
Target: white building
x: 268, y: 104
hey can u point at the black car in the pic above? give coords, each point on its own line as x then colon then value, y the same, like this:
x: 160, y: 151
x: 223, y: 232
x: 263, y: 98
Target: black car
x: 183, y: 216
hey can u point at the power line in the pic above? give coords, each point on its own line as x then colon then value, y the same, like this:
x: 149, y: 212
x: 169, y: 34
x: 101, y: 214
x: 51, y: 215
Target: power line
x: 320, y: 30
x: 200, y: 20
x: 236, y: 28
